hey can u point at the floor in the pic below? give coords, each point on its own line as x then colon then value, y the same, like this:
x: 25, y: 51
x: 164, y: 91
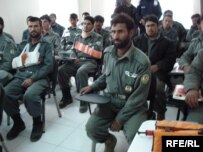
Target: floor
x: 65, y: 134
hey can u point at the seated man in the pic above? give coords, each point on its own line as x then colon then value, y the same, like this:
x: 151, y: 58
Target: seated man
x: 192, y: 84
x: 194, y: 27
x: 87, y: 50
x: 70, y: 33
x: 162, y: 54
x: 167, y: 30
x: 126, y: 80
x: 33, y: 65
x: 55, y: 26
x: 49, y: 34
x: 8, y: 51
x: 188, y: 56
x: 99, y: 20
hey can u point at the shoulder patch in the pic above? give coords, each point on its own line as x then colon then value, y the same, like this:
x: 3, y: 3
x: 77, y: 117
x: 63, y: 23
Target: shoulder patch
x: 145, y: 79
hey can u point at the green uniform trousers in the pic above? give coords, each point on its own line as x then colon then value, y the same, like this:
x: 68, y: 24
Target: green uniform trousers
x: 30, y: 97
x: 196, y: 114
x: 102, y: 118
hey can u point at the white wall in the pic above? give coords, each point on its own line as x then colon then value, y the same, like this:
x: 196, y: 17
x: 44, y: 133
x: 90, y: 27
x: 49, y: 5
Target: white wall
x: 14, y: 12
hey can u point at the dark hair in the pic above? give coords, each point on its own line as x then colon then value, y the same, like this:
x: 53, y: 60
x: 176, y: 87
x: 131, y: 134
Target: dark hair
x: 85, y: 14
x: 99, y: 18
x: 52, y: 14
x: 151, y: 18
x: 196, y: 16
x: 45, y: 17
x: 1, y: 21
x: 73, y: 16
x: 123, y: 18
x: 35, y: 19
x: 168, y: 13
x: 90, y: 18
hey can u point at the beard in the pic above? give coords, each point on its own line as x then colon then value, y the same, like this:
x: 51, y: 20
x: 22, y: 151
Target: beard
x: 35, y: 34
x: 121, y: 43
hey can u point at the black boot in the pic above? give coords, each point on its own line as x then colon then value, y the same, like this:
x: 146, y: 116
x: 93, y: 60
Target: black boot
x: 37, y: 129
x: 18, y: 126
x: 83, y: 107
x: 66, y: 98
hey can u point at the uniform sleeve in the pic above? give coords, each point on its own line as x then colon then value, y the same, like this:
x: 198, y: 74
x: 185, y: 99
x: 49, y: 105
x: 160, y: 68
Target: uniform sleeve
x: 47, y: 65
x: 9, y: 52
x: 137, y: 99
x: 188, y: 55
x: 100, y: 83
x: 57, y: 44
x: 194, y: 75
x: 98, y: 45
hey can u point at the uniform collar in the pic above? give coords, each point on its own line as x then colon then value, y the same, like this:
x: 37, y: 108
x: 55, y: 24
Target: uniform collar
x: 129, y: 53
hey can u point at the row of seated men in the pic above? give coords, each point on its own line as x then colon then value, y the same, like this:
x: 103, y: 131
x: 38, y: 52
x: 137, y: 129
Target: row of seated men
x: 126, y: 76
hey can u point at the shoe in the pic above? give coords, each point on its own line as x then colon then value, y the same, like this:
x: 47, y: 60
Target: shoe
x: 110, y: 143
x: 36, y: 133
x: 64, y: 102
x: 15, y: 131
x: 83, y: 107
x: 160, y: 116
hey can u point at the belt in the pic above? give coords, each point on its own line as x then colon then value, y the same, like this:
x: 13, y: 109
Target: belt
x: 116, y: 95
x: 24, y: 70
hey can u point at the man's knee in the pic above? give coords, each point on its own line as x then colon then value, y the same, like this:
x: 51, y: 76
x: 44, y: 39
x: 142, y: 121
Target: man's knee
x: 81, y: 72
x: 90, y: 127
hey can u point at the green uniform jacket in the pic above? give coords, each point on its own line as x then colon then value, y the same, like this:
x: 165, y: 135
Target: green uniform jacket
x: 193, y: 78
x: 106, y: 37
x: 126, y: 81
x: 54, y: 39
x: 171, y: 34
x: 9, y: 51
x: 191, y: 52
x: 69, y: 37
x: 40, y: 71
x: 58, y: 28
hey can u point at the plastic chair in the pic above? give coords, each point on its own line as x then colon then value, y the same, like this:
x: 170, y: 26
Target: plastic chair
x: 50, y: 90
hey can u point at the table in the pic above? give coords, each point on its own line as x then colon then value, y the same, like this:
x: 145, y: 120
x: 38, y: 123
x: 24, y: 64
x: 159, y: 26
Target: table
x: 141, y: 142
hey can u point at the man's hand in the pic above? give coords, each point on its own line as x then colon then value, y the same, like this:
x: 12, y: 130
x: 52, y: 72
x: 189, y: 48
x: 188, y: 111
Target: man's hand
x: 26, y: 83
x: 85, y: 90
x: 116, y: 126
x: 192, y: 97
x: 154, y: 68
x: 76, y: 60
x: 186, y: 68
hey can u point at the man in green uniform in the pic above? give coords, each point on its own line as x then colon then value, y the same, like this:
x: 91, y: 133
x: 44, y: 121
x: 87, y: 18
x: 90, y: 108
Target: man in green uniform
x: 87, y: 50
x: 49, y: 35
x: 167, y: 30
x: 55, y: 26
x: 99, y: 20
x: 126, y: 81
x: 8, y: 51
x: 195, y: 45
x: 29, y: 81
x: 193, y: 84
x: 70, y: 33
